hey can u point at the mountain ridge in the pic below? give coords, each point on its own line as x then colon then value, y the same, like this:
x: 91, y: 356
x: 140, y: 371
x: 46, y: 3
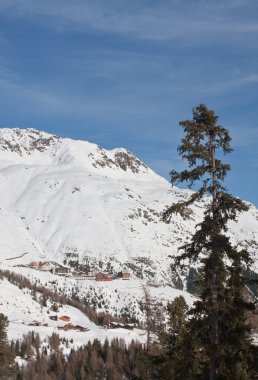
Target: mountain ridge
x: 73, y: 201
x: 24, y: 143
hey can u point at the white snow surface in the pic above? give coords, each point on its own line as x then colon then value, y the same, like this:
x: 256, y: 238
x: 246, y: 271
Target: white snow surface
x: 23, y: 308
x: 62, y: 200
x: 61, y: 197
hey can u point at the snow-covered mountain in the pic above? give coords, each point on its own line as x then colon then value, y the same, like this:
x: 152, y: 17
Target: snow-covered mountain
x: 72, y: 201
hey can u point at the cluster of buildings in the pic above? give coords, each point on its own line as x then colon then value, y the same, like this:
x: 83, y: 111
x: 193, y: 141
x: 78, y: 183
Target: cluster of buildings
x: 55, y: 268
x: 50, y: 266
x: 118, y: 325
x: 63, y: 318
x: 70, y: 326
x: 101, y: 276
x: 39, y: 265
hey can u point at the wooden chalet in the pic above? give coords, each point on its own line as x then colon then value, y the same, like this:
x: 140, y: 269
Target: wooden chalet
x: 46, y: 266
x: 84, y: 276
x: 61, y: 271
x: 103, y: 276
x: 36, y: 323
x: 65, y: 318
x: 53, y: 317
x: 125, y: 275
x: 118, y: 325
x: 34, y: 264
x: 70, y: 327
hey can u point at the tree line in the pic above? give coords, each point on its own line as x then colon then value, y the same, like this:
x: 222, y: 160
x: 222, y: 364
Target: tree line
x: 173, y: 356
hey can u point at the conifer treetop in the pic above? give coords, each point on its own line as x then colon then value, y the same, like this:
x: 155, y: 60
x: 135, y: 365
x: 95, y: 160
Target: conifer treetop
x: 203, y: 141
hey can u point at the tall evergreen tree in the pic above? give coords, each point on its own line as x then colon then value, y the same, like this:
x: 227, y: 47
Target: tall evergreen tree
x: 6, y: 355
x: 173, y: 337
x: 218, y: 317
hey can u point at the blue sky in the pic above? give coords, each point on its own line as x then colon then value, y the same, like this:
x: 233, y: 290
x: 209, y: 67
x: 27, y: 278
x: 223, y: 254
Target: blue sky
x: 124, y: 73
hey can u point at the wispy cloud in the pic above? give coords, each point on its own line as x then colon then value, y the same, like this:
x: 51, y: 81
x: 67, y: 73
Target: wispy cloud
x: 225, y: 84
x: 39, y: 98
x: 156, y: 21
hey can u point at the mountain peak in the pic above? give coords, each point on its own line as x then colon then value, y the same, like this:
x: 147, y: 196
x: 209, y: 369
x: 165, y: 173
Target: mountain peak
x: 30, y: 146
x: 26, y: 141
x: 117, y: 158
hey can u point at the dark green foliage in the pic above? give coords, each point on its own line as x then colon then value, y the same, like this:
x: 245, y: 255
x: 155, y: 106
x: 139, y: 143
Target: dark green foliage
x: 115, y: 360
x: 192, y: 282
x: 54, y: 341
x: 6, y: 352
x: 177, y: 312
x: 218, y: 320
x: 54, y: 307
x: 175, y: 278
x: 173, y: 338
x: 110, y: 361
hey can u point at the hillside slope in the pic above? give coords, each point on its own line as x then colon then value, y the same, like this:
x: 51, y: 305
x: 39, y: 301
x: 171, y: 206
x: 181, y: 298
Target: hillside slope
x: 73, y: 201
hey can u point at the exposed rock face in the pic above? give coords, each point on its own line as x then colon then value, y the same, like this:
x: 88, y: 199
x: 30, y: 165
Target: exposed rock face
x: 26, y: 142
x: 123, y: 159
x: 126, y: 160
x: 20, y: 141
x: 103, y: 159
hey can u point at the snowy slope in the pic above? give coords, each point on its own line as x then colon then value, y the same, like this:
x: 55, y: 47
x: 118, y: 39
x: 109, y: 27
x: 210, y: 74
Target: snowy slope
x: 75, y: 202
x: 64, y: 200
x: 22, y: 310
x: 23, y: 307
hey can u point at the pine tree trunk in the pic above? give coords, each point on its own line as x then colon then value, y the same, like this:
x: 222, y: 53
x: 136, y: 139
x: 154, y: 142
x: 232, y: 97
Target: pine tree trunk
x: 214, y: 336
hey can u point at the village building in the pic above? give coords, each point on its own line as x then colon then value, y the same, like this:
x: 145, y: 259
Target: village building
x: 70, y: 326
x: 103, y: 276
x: 36, y: 323
x: 125, y: 275
x: 53, y: 317
x: 65, y: 318
x: 34, y: 264
x: 84, y: 276
x: 46, y: 266
x: 118, y: 325
x: 61, y: 271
